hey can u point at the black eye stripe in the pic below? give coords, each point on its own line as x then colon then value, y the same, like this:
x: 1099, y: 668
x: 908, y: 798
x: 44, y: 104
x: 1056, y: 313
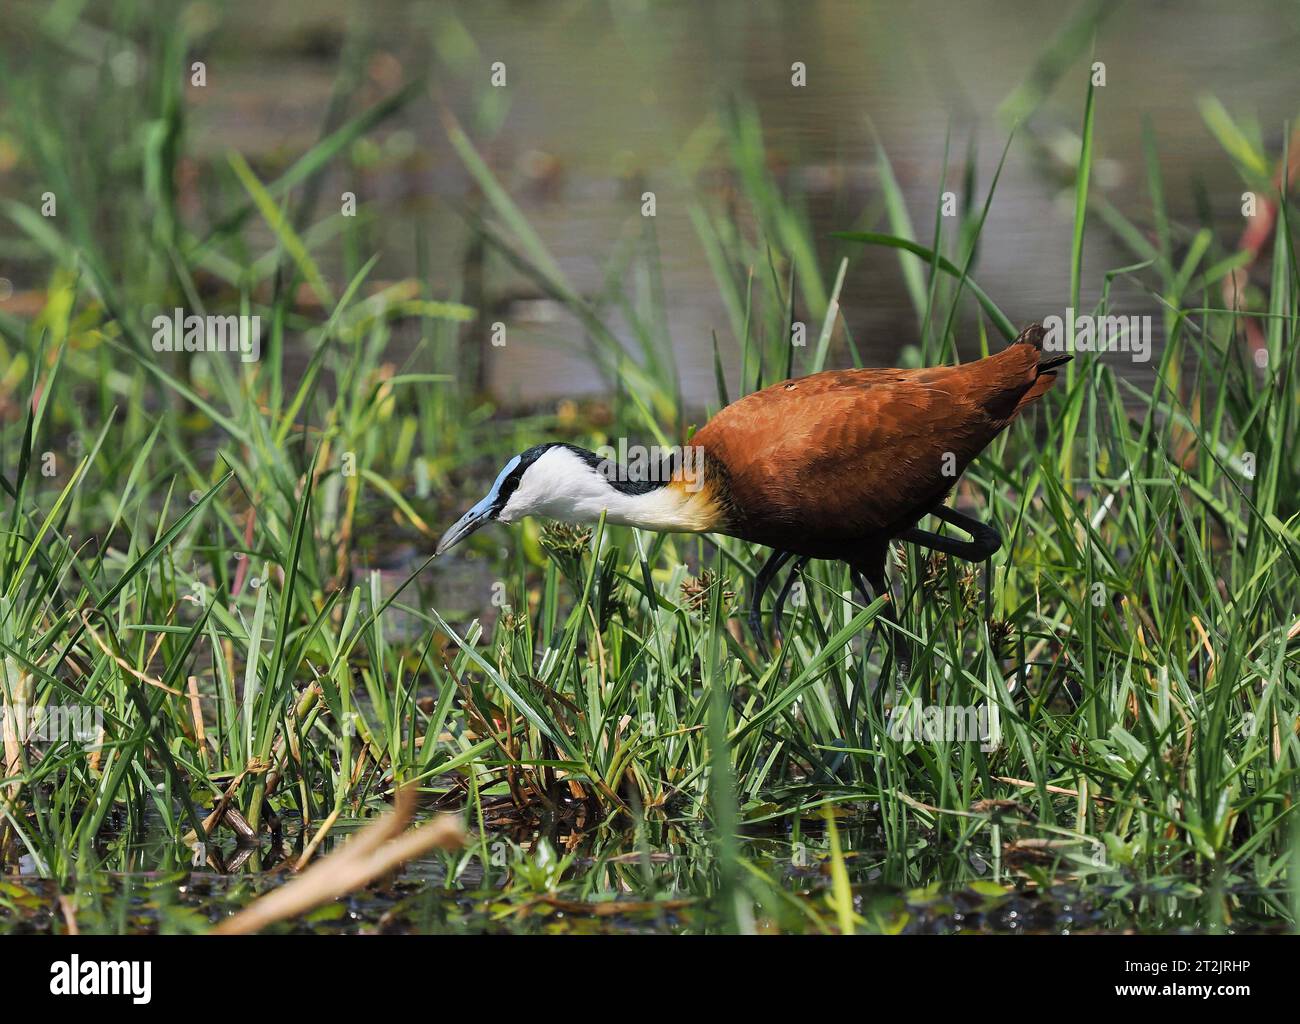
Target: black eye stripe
x: 601, y: 465
x: 511, y: 483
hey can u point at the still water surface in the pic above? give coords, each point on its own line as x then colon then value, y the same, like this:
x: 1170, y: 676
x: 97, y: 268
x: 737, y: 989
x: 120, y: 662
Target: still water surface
x: 604, y: 101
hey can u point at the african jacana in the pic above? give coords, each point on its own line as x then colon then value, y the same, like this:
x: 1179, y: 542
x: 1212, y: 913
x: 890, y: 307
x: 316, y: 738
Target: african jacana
x: 833, y: 466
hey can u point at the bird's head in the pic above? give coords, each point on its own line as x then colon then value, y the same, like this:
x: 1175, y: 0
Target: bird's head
x: 562, y: 481
x: 547, y: 479
x: 498, y: 504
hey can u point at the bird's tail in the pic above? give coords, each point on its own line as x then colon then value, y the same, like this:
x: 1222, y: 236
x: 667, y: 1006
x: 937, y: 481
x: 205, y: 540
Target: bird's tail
x: 1045, y: 370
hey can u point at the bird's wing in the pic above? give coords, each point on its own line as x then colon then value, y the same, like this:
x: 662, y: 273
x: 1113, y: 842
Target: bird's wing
x: 854, y: 453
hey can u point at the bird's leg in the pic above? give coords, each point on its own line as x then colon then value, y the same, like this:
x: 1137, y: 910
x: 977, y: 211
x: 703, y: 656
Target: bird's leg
x: 978, y: 531
x: 900, y: 648
x: 860, y: 584
x: 982, y: 532
x: 761, y: 582
x: 873, y: 572
x: 785, y: 591
x: 984, y: 542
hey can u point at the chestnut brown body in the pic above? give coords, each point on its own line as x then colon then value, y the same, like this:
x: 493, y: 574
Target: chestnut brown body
x: 832, y: 466
x: 836, y: 464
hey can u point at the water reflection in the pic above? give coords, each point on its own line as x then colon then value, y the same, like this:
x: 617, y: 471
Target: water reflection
x: 606, y: 100
x: 565, y: 872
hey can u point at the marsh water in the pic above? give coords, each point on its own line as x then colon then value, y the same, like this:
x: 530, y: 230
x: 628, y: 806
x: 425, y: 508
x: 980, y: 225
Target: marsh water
x: 606, y: 101
x: 593, y: 879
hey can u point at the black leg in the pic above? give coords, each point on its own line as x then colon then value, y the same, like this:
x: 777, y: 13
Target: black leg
x: 860, y: 585
x: 871, y: 570
x: 982, y: 532
x: 985, y: 541
x: 761, y: 582
x: 785, y: 591
x: 900, y: 648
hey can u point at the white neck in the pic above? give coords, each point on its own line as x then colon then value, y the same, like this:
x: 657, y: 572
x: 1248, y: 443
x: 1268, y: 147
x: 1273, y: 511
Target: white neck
x: 561, y: 485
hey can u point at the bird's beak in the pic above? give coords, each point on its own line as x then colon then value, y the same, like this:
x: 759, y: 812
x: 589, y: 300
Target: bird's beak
x: 465, y: 525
